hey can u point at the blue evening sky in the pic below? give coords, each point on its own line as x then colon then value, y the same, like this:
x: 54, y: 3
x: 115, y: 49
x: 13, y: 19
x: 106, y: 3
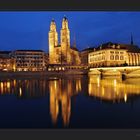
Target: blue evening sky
x: 29, y: 30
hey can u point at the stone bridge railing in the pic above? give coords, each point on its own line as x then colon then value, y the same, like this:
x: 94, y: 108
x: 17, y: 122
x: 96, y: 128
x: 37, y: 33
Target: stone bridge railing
x: 128, y: 71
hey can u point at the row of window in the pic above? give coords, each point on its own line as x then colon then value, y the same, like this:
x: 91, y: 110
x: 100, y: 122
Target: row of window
x: 97, y: 58
x: 97, y: 53
x: 35, y: 65
x: 116, y: 57
x: 112, y: 57
x: 23, y: 57
x: 116, y: 52
x: 28, y: 54
x: 27, y: 61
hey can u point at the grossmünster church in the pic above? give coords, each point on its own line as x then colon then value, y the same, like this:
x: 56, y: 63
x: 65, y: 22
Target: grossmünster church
x: 63, y: 52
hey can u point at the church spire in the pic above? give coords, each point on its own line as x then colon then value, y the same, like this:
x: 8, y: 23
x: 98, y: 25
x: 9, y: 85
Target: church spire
x: 132, y: 43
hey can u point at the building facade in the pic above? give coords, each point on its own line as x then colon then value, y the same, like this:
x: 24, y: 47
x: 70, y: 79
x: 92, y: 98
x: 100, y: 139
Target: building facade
x: 62, y: 53
x: 84, y: 56
x: 113, y: 54
x: 7, y: 63
x: 30, y: 60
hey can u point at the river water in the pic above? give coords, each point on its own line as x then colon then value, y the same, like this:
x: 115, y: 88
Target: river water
x: 69, y: 102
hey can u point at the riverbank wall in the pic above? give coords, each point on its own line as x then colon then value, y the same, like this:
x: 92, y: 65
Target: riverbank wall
x: 43, y: 73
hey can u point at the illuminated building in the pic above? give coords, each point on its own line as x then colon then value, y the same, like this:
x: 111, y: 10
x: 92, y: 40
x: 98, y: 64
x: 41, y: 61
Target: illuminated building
x: 30, y: 60
x: 114, y: 54
x: 62, y: 53
x: 6, y: 61
x: 84, y: 56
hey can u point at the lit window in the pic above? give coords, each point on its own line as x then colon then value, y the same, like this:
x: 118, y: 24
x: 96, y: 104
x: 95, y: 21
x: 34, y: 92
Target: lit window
x: 121, y: 57
x: 117, y: 52
x: 117, y: 57
x: 112, y: 57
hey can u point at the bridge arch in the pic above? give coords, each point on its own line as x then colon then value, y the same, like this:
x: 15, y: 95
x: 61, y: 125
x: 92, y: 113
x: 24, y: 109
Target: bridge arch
x: 112, y: 73
x: 135, y: 73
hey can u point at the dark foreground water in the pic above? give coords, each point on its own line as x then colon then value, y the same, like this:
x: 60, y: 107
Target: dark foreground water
x: 69, y: 102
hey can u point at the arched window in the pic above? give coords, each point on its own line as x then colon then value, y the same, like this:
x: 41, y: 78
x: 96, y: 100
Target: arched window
x: 103, y: 57
x: 121, y: 57
x: 111, y: 57
x: 117, y: 57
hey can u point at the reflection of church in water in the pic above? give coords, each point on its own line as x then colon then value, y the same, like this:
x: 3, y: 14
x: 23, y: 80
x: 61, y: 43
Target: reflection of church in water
x: 61, y: 92
x: 62, y: 53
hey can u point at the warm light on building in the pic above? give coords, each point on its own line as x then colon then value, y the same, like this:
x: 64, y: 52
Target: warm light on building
x: 110, y: 54
x: 62, y: 53
x: 29, y: 60
x: 6, y: 61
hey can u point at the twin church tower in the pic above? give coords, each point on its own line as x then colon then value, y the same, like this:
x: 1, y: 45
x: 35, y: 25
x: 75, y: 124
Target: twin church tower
x: 62, y: 53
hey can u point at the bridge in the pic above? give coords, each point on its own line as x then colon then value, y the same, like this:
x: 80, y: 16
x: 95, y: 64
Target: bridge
x: 125, y: 71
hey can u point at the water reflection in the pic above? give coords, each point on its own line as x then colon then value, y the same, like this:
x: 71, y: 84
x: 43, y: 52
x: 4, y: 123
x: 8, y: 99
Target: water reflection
x: 24, y: 88
x: 60, y: 96
x: 61, y: 90
x: 113, y: 89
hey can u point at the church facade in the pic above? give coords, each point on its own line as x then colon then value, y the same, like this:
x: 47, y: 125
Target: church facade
x: 62, y: 53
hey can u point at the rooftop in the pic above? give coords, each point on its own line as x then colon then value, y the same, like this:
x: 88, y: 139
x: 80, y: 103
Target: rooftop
x: 5, y: 52
x: 73, y: 48
x: 88, y: 49
x: 110, y: 45
x: 30, y: 50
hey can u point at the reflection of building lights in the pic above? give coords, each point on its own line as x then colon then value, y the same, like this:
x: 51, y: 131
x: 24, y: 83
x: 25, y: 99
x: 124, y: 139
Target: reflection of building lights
x: 66, y: 108
x: 49, y: 69
x: 14, y: 82
x: 1, y: 86
x: 14, y: 67
x: 8, y: 84
x: 115, y: 89
x: 115, y: 82
x: 4, y: 69
x: 98, y: 81
x: 20, y: 91
x: 103, y: 91
x: 89, y: 89
x: 78, y: 85
x: 125, y: 97
x: 55, y: 84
